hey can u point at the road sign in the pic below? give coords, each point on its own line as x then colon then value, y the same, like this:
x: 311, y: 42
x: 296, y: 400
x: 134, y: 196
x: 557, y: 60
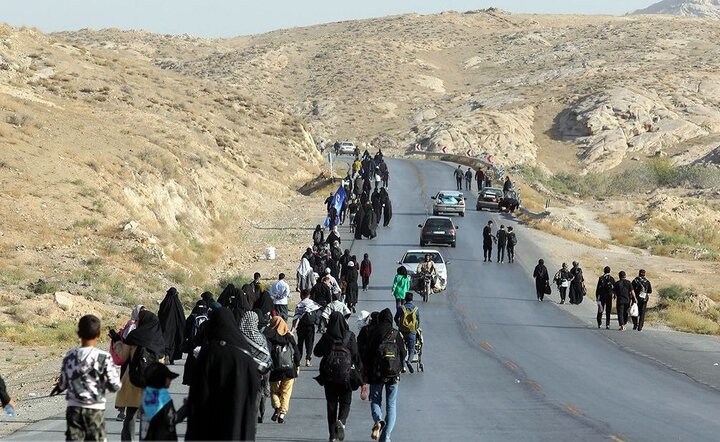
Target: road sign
x: 490, y: 158
x: 468, y: 152
x: 444, y: 149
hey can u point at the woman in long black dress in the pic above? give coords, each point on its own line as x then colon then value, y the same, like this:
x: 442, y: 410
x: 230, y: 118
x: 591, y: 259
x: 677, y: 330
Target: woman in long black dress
x: 351, y: 281
x: 387, y: 206
x: 542, y: 279
x: 576, y: 286
x: 222, y: 400
x: 172, y: 322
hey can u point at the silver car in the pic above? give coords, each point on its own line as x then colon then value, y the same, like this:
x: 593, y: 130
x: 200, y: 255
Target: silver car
x: 346, y: 148
x: 449, y: 201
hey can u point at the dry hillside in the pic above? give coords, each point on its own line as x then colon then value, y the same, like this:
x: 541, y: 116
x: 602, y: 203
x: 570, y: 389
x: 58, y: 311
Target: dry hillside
x: 119, y: 178
x: 592, y: 91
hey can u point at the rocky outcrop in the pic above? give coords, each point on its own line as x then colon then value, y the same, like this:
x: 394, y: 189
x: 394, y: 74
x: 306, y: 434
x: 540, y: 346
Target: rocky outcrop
x: 687, y: 8
x: 610, y: 125
x: 506, y: 135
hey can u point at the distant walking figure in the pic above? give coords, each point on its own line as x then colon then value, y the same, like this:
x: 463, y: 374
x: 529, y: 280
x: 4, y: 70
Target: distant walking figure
x: 459, y: 175
x: 542, y: 280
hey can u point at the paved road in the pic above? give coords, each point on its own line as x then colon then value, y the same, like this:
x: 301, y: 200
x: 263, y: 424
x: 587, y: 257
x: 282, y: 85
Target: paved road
x: 499, y: 365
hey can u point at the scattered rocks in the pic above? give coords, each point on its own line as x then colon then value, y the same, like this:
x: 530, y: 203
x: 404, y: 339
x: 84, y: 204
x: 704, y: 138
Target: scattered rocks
x: 701, y: 303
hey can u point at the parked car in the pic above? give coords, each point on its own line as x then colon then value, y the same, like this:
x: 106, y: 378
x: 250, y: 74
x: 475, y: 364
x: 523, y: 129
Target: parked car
x: 510, y: 201
x: 413, y: 258
x: 438, y: 230
x: 346, y: 148
x: 489, y: 198
x: 449, y: 201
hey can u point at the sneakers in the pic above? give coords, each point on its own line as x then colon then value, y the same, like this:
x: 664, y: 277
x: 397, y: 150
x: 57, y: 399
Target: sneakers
x: 275, y: 416
x: 307, y: 363
x: 377, y: 429
x: 410, y: 369
x: 120, y: 417
x: 281, y: 418
x: 339, y: 430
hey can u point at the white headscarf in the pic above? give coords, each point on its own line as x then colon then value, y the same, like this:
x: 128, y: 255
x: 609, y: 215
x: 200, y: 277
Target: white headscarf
x: 132, y: 323
x: 304, y: 268
x: 363, y: 318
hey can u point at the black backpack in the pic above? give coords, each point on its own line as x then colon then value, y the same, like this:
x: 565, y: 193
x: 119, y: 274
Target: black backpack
x: 141, y: 359
x: 282, y: 359
x: 337, y: 366
x: 308, y: 318
x: 388, y: 361
x: 606, y: 282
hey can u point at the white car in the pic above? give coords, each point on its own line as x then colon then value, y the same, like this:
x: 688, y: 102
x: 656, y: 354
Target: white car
x: 346, y: 148
x: 413, y: 258
x: 449, y: 201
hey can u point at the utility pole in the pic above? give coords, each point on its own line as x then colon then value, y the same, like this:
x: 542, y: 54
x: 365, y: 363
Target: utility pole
x: 330, y: 160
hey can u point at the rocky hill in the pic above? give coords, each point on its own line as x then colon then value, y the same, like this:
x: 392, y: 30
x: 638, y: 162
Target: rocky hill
x: 688, y: 8
x: 575, y: 93
x: 119, y: 178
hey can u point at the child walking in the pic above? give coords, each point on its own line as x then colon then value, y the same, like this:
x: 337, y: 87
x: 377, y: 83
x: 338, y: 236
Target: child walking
x: 87, y: 373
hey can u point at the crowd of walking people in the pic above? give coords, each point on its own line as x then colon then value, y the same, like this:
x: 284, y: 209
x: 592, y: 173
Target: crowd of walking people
x: 631, y: 297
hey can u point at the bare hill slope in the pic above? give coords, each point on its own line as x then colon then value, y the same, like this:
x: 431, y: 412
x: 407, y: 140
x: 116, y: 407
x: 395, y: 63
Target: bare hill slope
x: 119, y: 178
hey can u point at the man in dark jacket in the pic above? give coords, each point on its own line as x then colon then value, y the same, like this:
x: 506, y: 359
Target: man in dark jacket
x: 480, y: 178
x: 501, y: 244
x: 643, y: 289
x: 321, y: 292
x: 488, y: 238
x: 625, y: 296
x: 604, y: 297
x: 459, y: 175
x: 383, y: 357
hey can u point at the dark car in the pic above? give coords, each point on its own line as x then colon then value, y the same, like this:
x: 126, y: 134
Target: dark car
x: 489, y: 198
x: 438, y: 230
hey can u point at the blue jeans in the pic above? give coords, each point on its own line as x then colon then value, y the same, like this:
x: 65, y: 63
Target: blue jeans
x: 391, y: 391
x: 410, y: 344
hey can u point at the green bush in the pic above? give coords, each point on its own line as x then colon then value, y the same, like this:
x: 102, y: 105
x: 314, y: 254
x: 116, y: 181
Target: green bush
x: 674, y: 292
x: 237, y: 280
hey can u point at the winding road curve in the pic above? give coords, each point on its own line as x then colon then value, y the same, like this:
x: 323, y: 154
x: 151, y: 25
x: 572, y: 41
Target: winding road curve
x: 498, y: 364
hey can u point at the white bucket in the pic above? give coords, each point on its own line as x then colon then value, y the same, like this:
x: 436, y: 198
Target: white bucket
x: 270, y: 253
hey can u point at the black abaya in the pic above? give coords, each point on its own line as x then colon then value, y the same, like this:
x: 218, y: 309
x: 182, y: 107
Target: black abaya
x: 359, y: 222
x: 351, y: 293
x: 172, y: 322
x: 147, y: 334
x: 222, y: 399
x: 370, y: 224
x: 387, y: 208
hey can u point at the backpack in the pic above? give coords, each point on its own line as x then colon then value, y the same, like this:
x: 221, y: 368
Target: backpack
x: 388, y: 362
x: 512, y: 239
x: 606, y: 282
x: 141, y: 359
x: 338, y: 365
x: 309, y: 318
x: 282, y: 358
x: 199, y: 320
x: 409, y: 320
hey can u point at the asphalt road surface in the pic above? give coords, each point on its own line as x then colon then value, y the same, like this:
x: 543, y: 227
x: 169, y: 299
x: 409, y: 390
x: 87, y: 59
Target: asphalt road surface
x: 498, y: 364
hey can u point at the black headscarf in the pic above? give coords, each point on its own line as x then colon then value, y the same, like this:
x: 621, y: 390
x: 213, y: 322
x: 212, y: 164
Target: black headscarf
x: 148, y: 333
x: 172, y: 322
x: 207, y: 297
x: 221, y: 326
x: 264, y: 303
x: 337, y: 328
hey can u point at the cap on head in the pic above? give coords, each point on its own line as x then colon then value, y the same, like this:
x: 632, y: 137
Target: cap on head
x: 157, y: 374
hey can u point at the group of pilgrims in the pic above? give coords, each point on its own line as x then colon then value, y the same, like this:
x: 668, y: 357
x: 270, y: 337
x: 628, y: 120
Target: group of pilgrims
x: 367, y: 202
x: 231, y: 344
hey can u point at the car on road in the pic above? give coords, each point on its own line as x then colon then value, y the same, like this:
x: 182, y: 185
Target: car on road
x: 489, y: 198
x: 346, y: 148
x: 412, y: 258
x: 449, y: 201
x: 438, y: 230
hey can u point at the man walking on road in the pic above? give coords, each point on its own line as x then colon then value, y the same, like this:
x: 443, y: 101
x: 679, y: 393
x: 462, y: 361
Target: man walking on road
x: 625, y: 296
x: 383, y: 358
x: 511, y: 243
x: 468, y: 179
x: 488, y: 239
x: 280, y: 292
x: 459, y: 175
x: 480, y: 178
x: 604, y: 297
x: 643, y: 289
x: 501, y: 244
x: 407, y: 319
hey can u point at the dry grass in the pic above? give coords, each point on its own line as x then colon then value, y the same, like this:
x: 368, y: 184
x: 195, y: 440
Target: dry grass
x: 558, y: 231
x: 682, y: 317
x: 59, y: 335
x: 620, y: 228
